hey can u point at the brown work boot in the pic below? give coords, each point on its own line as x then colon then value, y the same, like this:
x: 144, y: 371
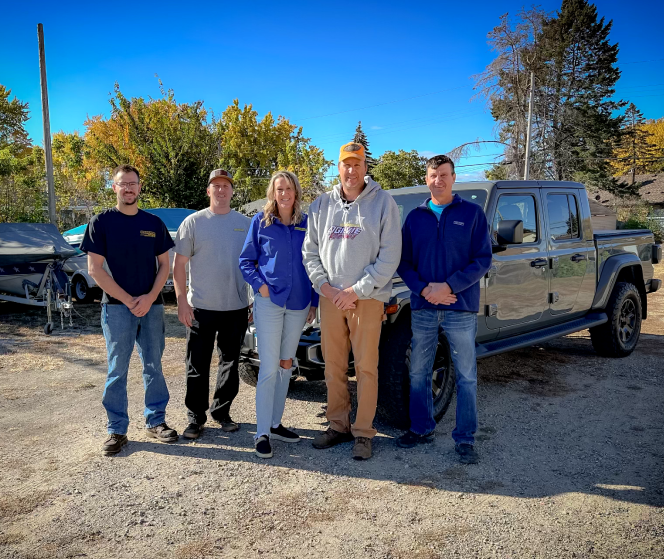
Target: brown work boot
x: 113, y: 444
x: 329, y: 438
x: 362, y: 448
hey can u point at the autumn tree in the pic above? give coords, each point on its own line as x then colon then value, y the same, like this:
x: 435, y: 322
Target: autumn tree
x: 253, y: 149
x: 172, y: 144
x: 403, y: 168
x: 655, y: 128
x: 636, y: 152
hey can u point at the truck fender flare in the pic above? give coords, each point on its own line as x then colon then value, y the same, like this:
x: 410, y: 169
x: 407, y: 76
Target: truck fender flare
x: 610, y: 271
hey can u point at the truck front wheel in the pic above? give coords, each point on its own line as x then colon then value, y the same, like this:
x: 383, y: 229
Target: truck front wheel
x: 393, y: 379
x: 619, y: 335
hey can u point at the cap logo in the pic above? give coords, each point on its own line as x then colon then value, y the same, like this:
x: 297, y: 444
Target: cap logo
x: 353, y: 147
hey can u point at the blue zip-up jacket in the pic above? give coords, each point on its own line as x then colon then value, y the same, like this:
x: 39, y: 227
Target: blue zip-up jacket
x: 456, y: 250
x: 273, y: 256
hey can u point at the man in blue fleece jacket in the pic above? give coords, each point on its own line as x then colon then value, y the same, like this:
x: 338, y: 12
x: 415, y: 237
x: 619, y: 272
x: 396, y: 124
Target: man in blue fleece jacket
x: 446, y: 251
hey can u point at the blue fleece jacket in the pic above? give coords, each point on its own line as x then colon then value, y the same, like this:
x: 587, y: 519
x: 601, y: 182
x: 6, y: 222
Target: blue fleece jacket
x: 456, y: 250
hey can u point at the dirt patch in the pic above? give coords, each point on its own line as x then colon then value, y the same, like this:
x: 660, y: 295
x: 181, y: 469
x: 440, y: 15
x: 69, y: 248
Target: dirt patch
x: 12, y: 506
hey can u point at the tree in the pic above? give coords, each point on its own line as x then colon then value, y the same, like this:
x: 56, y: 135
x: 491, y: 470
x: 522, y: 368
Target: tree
x: 22, y: 192
x: 396, y: 170
x: 574, y: 65
x: 361, y: 138
x: 13, y: 115
x: 656, y: 128
x: 79, y: 179
x: 636, y: 152
x: 254, y: 149
x: 173, y: 146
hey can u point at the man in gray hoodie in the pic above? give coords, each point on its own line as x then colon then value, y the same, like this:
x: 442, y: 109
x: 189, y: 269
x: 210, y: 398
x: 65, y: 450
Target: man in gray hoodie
x: 351, y: 251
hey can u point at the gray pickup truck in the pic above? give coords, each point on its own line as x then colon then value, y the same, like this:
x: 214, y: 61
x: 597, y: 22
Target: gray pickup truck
x: 551, y: 275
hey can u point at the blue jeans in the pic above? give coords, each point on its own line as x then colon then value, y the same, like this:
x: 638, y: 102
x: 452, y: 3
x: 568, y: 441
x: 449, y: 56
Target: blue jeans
x: 122, y: 330
x: 460, y: 328
x: 278, y: 332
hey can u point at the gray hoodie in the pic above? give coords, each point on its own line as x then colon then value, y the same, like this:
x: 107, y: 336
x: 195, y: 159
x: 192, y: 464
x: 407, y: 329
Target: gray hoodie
x: 354, y: 244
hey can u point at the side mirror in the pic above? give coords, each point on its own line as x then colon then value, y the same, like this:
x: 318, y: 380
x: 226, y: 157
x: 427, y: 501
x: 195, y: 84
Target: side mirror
x: 510, y: 232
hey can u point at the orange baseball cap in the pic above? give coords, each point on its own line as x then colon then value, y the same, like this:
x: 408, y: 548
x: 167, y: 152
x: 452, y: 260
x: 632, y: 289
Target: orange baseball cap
x: 352, y: 149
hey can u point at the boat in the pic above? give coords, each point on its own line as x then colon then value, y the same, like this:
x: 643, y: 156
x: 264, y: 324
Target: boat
x: 31, y: 259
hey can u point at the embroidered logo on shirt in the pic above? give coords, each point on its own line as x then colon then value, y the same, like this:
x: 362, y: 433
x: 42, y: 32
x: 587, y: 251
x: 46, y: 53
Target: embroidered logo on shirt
x: 458, y: 222
x: 239, y: 230
x: 300, y: 228
x: 344, y: 231
x: 148, y: 234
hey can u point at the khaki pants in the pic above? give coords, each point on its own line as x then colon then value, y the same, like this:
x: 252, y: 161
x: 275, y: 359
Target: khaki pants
x: 358, y: 328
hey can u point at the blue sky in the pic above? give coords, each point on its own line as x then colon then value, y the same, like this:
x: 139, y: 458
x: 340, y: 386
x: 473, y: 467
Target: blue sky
x: 403, y: 68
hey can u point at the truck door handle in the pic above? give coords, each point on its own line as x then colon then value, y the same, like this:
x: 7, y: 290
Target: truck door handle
x: 539, y: 263
x: 578, y: 257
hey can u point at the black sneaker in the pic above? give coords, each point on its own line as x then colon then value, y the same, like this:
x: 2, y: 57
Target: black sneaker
x: 193, y: 431
x: 113, y: 444
x: 410, y: 439
x: 283, y: 434
x: 162, y: 433
x: 228, y: 425
x: 467, y: 453
x: 263, y: 448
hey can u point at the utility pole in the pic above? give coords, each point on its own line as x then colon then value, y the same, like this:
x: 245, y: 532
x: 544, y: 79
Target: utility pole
x: 47, y: 128
x: 526, y: 174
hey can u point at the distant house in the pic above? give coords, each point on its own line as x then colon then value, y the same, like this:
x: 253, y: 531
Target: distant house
x: 602, y: 217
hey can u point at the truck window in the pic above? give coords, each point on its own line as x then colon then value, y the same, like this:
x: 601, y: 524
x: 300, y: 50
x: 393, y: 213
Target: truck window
x: 408, y: 202
x: 563, y: 215
x: 518, y: 206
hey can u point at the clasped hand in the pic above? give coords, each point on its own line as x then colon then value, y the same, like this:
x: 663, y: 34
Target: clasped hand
x: 343, y: 299
x: 140, y: 306
x: 439, y: 294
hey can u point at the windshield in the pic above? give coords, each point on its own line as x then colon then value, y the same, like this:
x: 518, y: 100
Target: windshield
x: 408, y: 202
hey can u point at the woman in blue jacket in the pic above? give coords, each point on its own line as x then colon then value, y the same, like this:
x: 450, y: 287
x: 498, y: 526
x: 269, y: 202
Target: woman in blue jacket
x: 271, y: 262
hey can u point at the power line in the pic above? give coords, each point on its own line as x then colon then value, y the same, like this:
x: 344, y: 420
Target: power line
x: 383, y: 104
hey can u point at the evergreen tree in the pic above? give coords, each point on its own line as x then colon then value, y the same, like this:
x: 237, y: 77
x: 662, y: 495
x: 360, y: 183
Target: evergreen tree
x: 361, y: 138
x: 578, y: 77
x: 574, y: 65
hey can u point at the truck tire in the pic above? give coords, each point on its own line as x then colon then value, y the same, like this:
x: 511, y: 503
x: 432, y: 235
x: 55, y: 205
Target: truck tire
x: 619, y: 335
x: 393, y: 379
x: 83, y: 293
x: 248, y: 373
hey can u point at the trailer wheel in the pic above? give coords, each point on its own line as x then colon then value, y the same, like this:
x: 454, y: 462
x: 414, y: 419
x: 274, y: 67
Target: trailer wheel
x: 82, y: 292
x: 619, y: 335
x: 48, y: 328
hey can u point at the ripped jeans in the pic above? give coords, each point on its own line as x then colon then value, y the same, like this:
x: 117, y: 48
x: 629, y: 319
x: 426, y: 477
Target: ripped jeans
x: 460, y: 328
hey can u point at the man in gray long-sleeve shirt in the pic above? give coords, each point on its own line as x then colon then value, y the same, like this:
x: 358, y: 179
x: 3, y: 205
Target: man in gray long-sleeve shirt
x: 351, y: 251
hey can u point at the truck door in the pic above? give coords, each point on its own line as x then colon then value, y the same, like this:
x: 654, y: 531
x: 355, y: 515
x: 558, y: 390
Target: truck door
x: 572, y: 253
x: 518, y: 281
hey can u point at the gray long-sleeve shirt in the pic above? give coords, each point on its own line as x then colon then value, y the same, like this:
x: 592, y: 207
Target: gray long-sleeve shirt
x: 354, y: 244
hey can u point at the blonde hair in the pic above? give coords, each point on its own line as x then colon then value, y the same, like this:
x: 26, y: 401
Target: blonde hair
x: 271, y: 209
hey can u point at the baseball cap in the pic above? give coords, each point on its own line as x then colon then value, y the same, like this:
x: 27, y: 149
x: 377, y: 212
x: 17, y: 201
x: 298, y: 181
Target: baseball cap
x: 352, y: 149
x: 220, y: 173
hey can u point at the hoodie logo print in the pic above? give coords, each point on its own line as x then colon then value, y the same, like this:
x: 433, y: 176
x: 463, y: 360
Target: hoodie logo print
x: 344, y: 231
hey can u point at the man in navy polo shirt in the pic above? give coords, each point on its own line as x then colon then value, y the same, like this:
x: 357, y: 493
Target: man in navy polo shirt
x: 446, y: 251
x: 133, y: 246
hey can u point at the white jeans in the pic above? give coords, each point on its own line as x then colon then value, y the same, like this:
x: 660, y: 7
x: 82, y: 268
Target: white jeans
x: 278, y: 332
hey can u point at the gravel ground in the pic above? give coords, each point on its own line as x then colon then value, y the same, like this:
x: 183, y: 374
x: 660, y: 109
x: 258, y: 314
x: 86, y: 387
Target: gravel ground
x: 572, y: 449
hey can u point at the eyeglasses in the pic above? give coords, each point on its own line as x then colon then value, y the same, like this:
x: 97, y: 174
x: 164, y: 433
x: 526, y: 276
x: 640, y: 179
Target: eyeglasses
x: 127, y: 184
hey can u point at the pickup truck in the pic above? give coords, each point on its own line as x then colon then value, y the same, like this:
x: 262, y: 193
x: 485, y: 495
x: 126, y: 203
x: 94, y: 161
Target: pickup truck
x: 551, y: 275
